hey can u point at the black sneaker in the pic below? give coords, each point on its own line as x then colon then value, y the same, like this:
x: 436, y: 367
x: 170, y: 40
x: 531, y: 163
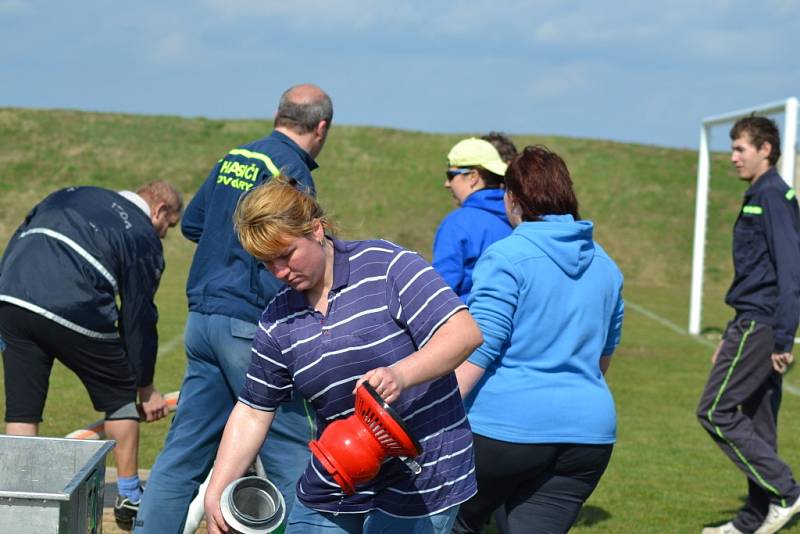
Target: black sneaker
x: 125, y: 510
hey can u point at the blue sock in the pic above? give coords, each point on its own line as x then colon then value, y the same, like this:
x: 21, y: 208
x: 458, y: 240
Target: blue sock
x: 130, y: 487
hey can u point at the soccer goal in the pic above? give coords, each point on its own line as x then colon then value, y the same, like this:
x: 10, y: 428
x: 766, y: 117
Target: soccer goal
x: 787, y: 170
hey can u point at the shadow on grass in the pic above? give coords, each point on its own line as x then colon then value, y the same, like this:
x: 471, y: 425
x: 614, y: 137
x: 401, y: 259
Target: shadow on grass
x: 727, y: 515
x: 590, y: 516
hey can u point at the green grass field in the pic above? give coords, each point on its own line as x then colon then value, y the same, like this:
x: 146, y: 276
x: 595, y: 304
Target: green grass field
x: 666, y: 475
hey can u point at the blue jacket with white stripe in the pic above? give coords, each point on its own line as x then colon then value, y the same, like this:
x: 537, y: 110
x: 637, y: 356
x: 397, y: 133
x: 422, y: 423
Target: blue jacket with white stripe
x: 76, y: 252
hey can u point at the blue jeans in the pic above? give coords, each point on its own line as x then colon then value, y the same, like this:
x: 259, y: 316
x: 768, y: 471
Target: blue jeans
x: 218, y: 353
x: 304, y: 520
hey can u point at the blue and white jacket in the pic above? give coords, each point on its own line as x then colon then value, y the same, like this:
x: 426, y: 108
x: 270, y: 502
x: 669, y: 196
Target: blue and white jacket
x: 79, y: 250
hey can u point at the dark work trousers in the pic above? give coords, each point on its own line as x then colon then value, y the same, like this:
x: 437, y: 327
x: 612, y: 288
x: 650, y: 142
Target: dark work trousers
x: 33, y: 342
x: 739, y: 408
x: 543, y: 486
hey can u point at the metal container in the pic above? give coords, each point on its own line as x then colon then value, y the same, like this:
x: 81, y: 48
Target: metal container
x: 52, y: 485
x: 253, y: 505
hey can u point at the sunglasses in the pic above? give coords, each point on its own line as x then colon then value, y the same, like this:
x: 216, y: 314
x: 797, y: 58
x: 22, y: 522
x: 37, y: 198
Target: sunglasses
x: 452, y: 173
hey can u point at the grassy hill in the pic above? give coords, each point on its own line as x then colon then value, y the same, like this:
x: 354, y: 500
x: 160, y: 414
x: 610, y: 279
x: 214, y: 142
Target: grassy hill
x: 665, y: 474
x: 377, y: 182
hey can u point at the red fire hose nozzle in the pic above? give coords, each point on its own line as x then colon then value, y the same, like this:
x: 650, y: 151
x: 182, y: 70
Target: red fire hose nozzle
x: 353, y: 449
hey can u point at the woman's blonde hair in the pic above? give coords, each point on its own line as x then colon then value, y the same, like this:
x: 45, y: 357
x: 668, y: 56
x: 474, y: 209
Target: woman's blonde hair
x: 270, y: 215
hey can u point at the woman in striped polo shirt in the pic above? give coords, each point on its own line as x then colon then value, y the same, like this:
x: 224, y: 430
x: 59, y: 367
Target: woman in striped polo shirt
x: 353, y: 311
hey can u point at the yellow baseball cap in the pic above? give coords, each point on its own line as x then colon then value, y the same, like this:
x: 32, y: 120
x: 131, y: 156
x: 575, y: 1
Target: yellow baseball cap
x: 474, y: 152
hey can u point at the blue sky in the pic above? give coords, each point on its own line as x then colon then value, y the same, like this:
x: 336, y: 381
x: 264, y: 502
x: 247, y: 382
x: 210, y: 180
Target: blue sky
x: 645, y: 72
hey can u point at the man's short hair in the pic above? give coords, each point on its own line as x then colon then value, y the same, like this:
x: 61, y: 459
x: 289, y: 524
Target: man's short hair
x: 161, y: 191
x: 760, y: 130
x: 303, y: 117
x: 505, y: 146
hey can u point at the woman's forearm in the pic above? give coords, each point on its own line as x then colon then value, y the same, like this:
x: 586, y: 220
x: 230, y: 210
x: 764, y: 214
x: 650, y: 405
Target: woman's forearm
x: 245, y: 432
x: 468, y: 374
x: 447, y: 349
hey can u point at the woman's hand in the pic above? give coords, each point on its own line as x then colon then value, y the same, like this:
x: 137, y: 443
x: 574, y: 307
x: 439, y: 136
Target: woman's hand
x: 386, y: 381
x: 244, y: 435
x: 215, y: 522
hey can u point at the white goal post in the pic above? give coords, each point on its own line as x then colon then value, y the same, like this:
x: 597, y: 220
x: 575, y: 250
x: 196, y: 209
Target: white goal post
x: 787, y: 171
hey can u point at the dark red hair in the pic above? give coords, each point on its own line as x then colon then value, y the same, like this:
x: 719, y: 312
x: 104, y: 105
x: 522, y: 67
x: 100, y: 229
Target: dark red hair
x: 540, y: 182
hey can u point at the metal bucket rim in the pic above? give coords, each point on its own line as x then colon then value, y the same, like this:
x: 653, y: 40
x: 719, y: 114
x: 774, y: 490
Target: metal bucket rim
x: 232, y: 517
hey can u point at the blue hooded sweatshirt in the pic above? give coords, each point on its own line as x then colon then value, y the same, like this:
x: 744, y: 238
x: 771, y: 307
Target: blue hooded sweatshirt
x: 548, y: 300
x: 465, y: 233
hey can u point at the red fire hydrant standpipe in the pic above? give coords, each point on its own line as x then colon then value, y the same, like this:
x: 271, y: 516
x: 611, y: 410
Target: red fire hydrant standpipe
x: 353, y: 449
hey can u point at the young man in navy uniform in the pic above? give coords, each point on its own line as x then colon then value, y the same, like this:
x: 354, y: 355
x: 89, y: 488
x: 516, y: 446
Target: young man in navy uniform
x: 739, y: 406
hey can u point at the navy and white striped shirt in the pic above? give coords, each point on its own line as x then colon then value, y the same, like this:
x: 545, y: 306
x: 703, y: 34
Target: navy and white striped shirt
x: 385, y: 304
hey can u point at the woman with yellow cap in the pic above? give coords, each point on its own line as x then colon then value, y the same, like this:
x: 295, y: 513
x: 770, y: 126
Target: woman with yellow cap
x: 475, y: 179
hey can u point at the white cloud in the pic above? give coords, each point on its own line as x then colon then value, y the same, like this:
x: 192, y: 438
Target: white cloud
x: 783, y: 7
x: 314, y: 16
x: 563, y: 81
x: 16, y: 6
x: 174, y: 48
x: 741, y: 46
x: 604, y: 23
x: 479, y: 19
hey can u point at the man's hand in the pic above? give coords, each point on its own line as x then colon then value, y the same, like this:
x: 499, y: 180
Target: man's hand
x: 154, y: 407
x: 716, y: 353
x: 781, y: 361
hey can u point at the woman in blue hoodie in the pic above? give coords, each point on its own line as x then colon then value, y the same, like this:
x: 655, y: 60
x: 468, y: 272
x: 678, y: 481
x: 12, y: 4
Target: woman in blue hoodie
x: 475, y: 179
x: 548, y: 300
